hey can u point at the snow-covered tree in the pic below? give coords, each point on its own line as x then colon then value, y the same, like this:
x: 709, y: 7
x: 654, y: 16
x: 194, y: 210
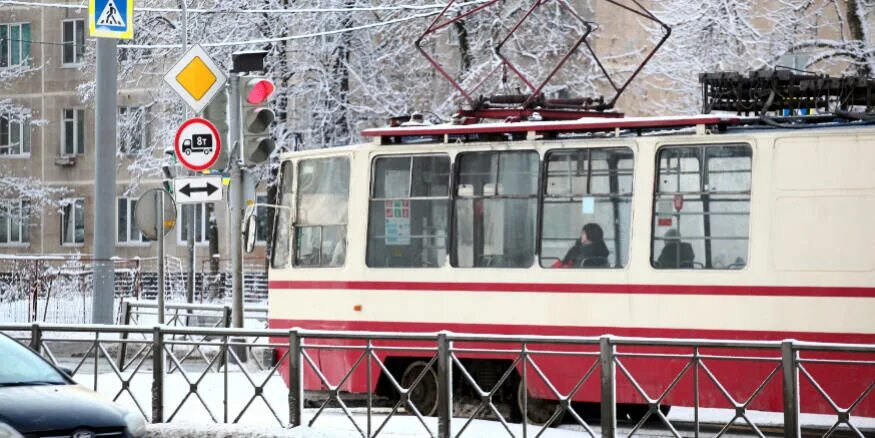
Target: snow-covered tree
x: 827, y: 36
x: 344, y: 65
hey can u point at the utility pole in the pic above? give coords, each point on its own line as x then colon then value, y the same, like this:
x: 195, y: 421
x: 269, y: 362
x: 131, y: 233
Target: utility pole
x: 160, y: 227
x: 235, y: 204
x: 190, y: 223
x: 235, y: 201
x: 105, y: 112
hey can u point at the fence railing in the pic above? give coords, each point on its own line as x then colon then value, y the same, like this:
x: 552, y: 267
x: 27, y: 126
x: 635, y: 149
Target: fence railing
x: 183, y: 314
x: 606, y: 359
x: 59, y: 288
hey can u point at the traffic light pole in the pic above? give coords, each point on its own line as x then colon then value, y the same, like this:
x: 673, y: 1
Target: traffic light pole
x: 235, y: 202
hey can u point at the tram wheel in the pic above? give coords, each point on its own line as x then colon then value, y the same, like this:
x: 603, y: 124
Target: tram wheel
x: 539, y: 410
x: 425, y: 395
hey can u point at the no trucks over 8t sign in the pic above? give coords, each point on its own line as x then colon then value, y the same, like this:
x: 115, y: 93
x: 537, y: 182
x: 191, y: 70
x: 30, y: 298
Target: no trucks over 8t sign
x: 197, y: 144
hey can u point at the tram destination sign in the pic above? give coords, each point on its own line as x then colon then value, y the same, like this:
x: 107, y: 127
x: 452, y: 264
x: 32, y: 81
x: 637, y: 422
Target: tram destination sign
x: 194, y: 190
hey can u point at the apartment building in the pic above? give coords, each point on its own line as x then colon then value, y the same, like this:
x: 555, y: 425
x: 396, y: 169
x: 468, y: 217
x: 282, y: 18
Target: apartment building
x: 56, y: 145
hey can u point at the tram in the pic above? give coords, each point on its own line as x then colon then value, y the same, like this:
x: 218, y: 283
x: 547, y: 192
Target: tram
x: 712, y: 226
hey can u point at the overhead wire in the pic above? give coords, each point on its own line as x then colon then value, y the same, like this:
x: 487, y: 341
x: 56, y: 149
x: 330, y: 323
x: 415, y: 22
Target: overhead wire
x: 281, y: 39
x: 253, y: 11
x: 436, y: 9
x: 40, y: 42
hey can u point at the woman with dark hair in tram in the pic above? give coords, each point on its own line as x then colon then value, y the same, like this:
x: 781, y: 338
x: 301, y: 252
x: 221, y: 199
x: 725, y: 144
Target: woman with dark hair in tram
x: 588, y: 251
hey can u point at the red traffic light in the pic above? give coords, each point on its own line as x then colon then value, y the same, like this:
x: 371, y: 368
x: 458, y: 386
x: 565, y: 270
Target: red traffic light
x: 259, y: 91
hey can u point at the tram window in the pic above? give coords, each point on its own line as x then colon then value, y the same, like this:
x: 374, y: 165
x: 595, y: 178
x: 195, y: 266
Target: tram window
x: 320, y: 246
x: 702, y: 207
x: 321, y: 219
x: 281, y: 235
x: 495, y: 209
x: 408, y: 219
x: 587, y: 186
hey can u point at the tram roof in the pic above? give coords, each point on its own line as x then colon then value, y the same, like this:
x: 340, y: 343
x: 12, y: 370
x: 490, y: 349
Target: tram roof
x: 583, y: 125
x: 534, y: 129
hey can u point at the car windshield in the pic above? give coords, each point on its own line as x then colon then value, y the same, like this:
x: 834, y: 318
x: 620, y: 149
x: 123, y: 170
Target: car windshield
x: 21, y: 366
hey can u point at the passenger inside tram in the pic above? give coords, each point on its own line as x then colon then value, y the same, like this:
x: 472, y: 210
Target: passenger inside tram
x: 589, y: 251
x: 675, y: 254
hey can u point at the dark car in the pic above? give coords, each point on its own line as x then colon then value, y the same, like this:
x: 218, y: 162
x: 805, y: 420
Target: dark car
x: 39, y: 400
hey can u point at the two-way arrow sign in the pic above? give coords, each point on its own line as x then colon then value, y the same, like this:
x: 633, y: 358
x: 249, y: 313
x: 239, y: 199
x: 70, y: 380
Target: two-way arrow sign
x: 198, y: 189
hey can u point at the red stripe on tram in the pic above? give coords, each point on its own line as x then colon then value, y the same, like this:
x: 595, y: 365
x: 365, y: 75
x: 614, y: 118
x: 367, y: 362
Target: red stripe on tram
x: 655, y: 289
x: 524, y: 329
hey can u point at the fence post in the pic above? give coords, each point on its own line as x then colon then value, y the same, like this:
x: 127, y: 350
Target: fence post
x: 608, y: 387
x: 34, y: 302
x: 123, y: 348
x: 789, y: 359
x: 36, y: 337
x: 226, y: 316
x: 157, y: 375
x: 445, y: 386
x: 296, y: 379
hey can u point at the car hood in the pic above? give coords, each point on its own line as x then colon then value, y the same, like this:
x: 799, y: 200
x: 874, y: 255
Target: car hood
x: 31, y: 409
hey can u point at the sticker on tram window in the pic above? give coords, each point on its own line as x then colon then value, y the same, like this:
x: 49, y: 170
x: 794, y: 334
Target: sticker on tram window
x: 397, y: 222
x: 664, y: 212
x: 588, y: 205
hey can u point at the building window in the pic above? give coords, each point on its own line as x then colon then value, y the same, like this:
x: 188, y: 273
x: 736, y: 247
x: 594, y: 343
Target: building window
x: 201, y: 214
x: 73, y: 222
x: 14, y: 44
x: 261, y: 219
x: 409, y: 211
x: 14, y: 224
x: 323, y: 199
x: 73, y: 136
x: 495, y: 209
x: 127, y: 230
x: 589, y: 188
x: 132, y: 129
x: 74, y: 41
x: 14, y: 135
x: 701, y: 214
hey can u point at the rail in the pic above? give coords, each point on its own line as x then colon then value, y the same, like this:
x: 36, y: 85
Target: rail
x: 180, y: 314
x: 609, y: 358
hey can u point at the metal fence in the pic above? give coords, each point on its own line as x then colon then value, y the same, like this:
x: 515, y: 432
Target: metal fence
x: 137, y: 312
x: 171, y: 349
x: 59, y: 288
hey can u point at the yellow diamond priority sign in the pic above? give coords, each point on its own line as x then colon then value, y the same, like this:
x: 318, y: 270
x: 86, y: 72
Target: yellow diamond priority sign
x: 196, y: 78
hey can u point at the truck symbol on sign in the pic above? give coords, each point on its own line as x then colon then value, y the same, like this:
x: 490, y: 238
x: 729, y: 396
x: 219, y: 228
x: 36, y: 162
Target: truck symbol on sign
x: 198, y: 143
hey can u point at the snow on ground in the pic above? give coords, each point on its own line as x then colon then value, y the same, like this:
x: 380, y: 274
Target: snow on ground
x: 232, y: 430
x: 193, y: 420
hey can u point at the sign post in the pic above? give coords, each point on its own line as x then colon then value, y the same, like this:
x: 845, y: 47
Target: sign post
x: 156, y: 215
x: 108, y: 20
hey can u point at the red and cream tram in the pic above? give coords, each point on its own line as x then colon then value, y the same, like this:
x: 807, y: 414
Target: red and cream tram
x: 714, y: 227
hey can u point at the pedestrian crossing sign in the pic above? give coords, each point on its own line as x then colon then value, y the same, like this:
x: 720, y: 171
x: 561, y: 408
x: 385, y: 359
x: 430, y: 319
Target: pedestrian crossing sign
x: 111, y: 18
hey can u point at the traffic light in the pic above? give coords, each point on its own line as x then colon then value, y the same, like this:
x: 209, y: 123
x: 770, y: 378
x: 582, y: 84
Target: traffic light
x: 255, y: 118
x: 217, y: 113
